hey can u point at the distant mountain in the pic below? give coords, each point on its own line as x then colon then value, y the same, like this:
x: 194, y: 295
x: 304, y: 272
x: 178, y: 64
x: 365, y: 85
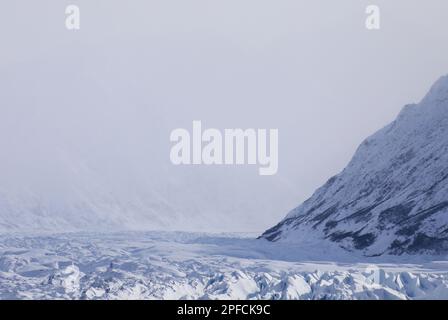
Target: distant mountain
x: 392, y: 198
x: 85, y: 147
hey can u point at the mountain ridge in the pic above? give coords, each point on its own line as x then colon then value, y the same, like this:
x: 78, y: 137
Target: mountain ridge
x: 392, y: 198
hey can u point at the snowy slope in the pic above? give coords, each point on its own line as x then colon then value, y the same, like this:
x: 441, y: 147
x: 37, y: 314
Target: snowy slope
x: 393, y: 195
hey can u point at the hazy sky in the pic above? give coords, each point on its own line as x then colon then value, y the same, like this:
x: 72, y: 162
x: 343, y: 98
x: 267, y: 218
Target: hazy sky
x: 107, y: 96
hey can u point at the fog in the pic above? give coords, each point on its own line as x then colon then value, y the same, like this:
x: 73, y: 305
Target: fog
x: 91, y: 111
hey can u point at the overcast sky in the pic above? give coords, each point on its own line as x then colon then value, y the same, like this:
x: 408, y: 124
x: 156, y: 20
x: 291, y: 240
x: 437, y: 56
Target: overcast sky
x: 109, y: 94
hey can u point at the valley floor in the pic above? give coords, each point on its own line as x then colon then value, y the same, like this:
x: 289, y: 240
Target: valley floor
x: 176, y: 265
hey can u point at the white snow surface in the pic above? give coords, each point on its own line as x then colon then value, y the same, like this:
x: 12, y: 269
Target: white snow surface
x: 176, y: 265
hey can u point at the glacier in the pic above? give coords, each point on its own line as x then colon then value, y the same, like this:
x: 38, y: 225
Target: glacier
x: 180, y: 265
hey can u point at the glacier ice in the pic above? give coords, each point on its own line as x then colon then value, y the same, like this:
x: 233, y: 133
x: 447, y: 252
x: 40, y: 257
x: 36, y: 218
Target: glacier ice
x: 165, y: 265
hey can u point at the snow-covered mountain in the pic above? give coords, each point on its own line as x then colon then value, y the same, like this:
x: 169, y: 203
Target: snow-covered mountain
x: 393, y: 196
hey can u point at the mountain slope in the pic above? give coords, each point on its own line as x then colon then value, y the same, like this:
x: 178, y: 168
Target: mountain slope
x: 393, y: 195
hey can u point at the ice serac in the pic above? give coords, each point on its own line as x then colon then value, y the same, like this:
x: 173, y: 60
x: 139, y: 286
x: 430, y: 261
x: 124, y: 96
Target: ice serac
x: 392, y: 198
